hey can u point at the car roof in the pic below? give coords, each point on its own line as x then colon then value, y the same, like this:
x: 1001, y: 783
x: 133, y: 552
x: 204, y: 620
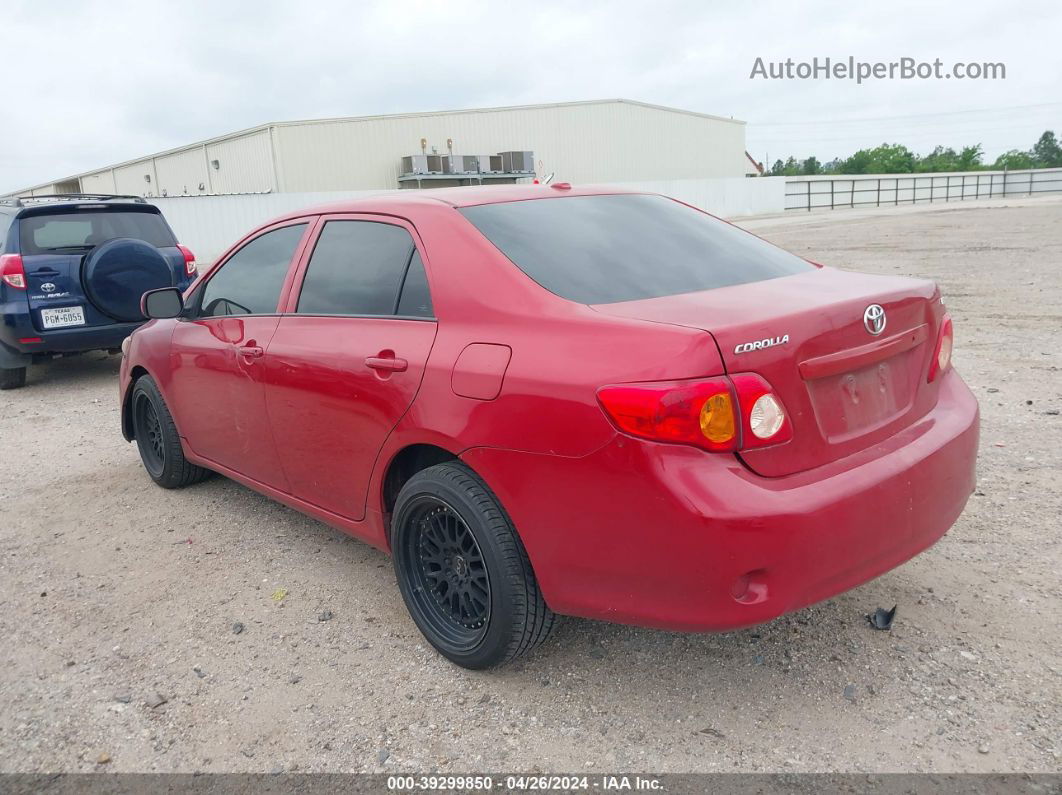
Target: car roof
x: 470, y: 196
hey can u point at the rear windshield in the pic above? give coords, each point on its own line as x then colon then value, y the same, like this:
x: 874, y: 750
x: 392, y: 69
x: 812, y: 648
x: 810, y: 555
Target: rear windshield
x: 60, y: 232
x: 604, y: 249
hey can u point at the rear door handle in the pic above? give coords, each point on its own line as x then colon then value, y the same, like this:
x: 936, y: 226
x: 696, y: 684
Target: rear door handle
x: 389, y: 364
x: 251, y: 351
x: 45, y: 272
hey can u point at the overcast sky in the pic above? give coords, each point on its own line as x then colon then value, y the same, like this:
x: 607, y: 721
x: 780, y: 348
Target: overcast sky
x: 91, y: 83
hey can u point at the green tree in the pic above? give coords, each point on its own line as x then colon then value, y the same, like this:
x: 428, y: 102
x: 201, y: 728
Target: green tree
x: 1014, y: 159
x: 940, y: 159
x: 970, y: 158
x: 1046, y: 152
x: 778, y: 169
x: 811, y: 166
x: 858, y: 163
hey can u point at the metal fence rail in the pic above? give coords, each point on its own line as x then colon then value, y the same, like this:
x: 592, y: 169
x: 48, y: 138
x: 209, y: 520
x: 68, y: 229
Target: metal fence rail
x: 874, y: 191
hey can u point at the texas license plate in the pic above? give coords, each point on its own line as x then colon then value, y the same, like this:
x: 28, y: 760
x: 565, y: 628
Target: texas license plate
x: 63, y: 316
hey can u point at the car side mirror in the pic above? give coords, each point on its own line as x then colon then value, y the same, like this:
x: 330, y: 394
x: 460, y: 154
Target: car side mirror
x: 159, y: 304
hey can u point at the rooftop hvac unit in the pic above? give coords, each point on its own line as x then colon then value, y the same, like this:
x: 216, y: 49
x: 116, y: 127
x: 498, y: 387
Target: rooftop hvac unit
x: 422, y: 164
x: 460, y: 164
x: 490, y: 164
x: 518, y: 162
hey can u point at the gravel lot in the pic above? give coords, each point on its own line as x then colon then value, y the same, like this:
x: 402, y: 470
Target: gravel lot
x: 141, y: 632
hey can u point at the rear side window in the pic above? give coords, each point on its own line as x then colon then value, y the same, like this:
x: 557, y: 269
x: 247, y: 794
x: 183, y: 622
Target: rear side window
x: 358, y: 268
x: 43, y: 234
x: 416, y: 299
x: 249, y: 282
x: 604, y: 249
x: 5, y: 224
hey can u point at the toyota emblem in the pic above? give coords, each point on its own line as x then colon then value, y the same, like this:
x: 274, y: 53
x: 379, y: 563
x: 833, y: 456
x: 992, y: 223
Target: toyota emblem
x: 48, y: 287
x: 874, y: 319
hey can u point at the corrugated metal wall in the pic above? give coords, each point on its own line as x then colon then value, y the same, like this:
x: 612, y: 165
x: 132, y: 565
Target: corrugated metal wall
x: 243, y: 164
x: 608, y: 141
x: 599, y: 142
x: 184, y: 173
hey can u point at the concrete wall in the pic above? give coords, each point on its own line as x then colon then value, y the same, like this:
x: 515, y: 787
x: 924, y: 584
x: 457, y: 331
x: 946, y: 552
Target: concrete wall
x: 210, y: 224
x: 733, y: 197
x: 839, y: 191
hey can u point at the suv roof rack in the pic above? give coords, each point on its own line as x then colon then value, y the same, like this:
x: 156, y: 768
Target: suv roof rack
x: 21, y: 201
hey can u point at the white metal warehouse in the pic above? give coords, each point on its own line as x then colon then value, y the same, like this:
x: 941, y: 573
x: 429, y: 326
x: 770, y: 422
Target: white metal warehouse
x: 612, y: 140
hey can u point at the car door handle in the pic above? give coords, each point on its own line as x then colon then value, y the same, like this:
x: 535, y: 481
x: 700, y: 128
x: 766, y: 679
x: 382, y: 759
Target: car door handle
x: 45, y: 272
x: 251, y: 351
x: 389, y: 364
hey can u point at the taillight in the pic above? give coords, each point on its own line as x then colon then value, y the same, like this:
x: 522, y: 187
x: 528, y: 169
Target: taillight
x: 11, y: 271
x: 942, y: 353
x: 189, y: 260
x: 762, y: 414
x: 700, y: 413
x: 717, y: 414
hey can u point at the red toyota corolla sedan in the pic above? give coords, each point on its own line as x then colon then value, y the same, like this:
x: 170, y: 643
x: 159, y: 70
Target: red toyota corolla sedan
x: 549, y: 400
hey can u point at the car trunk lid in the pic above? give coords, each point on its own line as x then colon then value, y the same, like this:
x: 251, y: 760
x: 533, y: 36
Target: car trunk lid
x: 844, y: 388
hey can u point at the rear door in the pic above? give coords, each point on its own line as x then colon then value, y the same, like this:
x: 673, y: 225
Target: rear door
x: 348, y: 357
x: 217, y: 354
x: 54, y: 241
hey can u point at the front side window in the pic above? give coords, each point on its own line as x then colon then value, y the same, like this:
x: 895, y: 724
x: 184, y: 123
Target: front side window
x: 358, y: 268
x: 608, y: 248
x: 250, y: 281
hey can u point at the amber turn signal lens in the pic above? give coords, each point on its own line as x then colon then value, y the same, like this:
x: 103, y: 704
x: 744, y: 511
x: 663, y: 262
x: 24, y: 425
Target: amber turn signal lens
x: 717, y: 418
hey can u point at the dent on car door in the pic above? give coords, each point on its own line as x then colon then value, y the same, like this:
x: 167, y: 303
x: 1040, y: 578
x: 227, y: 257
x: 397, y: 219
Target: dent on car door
x: 217, y: 352
x: 345, y: 365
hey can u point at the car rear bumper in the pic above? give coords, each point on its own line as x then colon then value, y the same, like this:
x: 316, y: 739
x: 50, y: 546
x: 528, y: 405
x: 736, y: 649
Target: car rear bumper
x: 672, y: 537
x: 16, y: 353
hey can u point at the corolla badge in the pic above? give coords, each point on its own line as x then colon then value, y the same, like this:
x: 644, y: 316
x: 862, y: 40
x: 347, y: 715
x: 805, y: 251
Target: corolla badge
x: 874, y: 319
x: 47, y: 287
x: 757, y: 345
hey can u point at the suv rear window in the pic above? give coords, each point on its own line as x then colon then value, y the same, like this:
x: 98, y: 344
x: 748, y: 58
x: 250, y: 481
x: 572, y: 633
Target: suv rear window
x: 605, y: 249
x: 47, y: 233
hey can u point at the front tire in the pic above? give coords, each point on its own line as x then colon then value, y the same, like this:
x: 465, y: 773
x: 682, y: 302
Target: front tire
x: 462, y: 570
x: 158, y: 441
x: 14, y: 378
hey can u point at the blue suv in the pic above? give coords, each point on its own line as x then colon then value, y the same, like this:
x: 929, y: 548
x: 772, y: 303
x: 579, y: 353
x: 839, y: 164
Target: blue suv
x: 72, y: 271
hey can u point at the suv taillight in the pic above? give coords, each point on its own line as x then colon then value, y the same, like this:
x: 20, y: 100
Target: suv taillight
x: 11, y: 271
x: 189, y: 260
x: 722, y: 415
x: 942, y: 353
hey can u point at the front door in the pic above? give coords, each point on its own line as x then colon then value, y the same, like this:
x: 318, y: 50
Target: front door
x: 347, y: 360
x: 217, y: 354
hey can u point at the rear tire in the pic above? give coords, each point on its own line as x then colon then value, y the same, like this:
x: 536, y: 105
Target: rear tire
x: 13, y: 379
x: 158, y: 441
x: 464, y: 574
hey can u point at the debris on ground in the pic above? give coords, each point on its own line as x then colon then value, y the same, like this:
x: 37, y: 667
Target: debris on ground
x: 155, y: 700
x: 882, y: 618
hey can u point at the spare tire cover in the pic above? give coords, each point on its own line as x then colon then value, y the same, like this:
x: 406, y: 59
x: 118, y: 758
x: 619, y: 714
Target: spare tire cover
x: 116, y: 274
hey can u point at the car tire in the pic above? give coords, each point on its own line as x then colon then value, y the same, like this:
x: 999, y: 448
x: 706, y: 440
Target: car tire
x: 158, y: 441
x: 463, y: 573
x: 14, y: 378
